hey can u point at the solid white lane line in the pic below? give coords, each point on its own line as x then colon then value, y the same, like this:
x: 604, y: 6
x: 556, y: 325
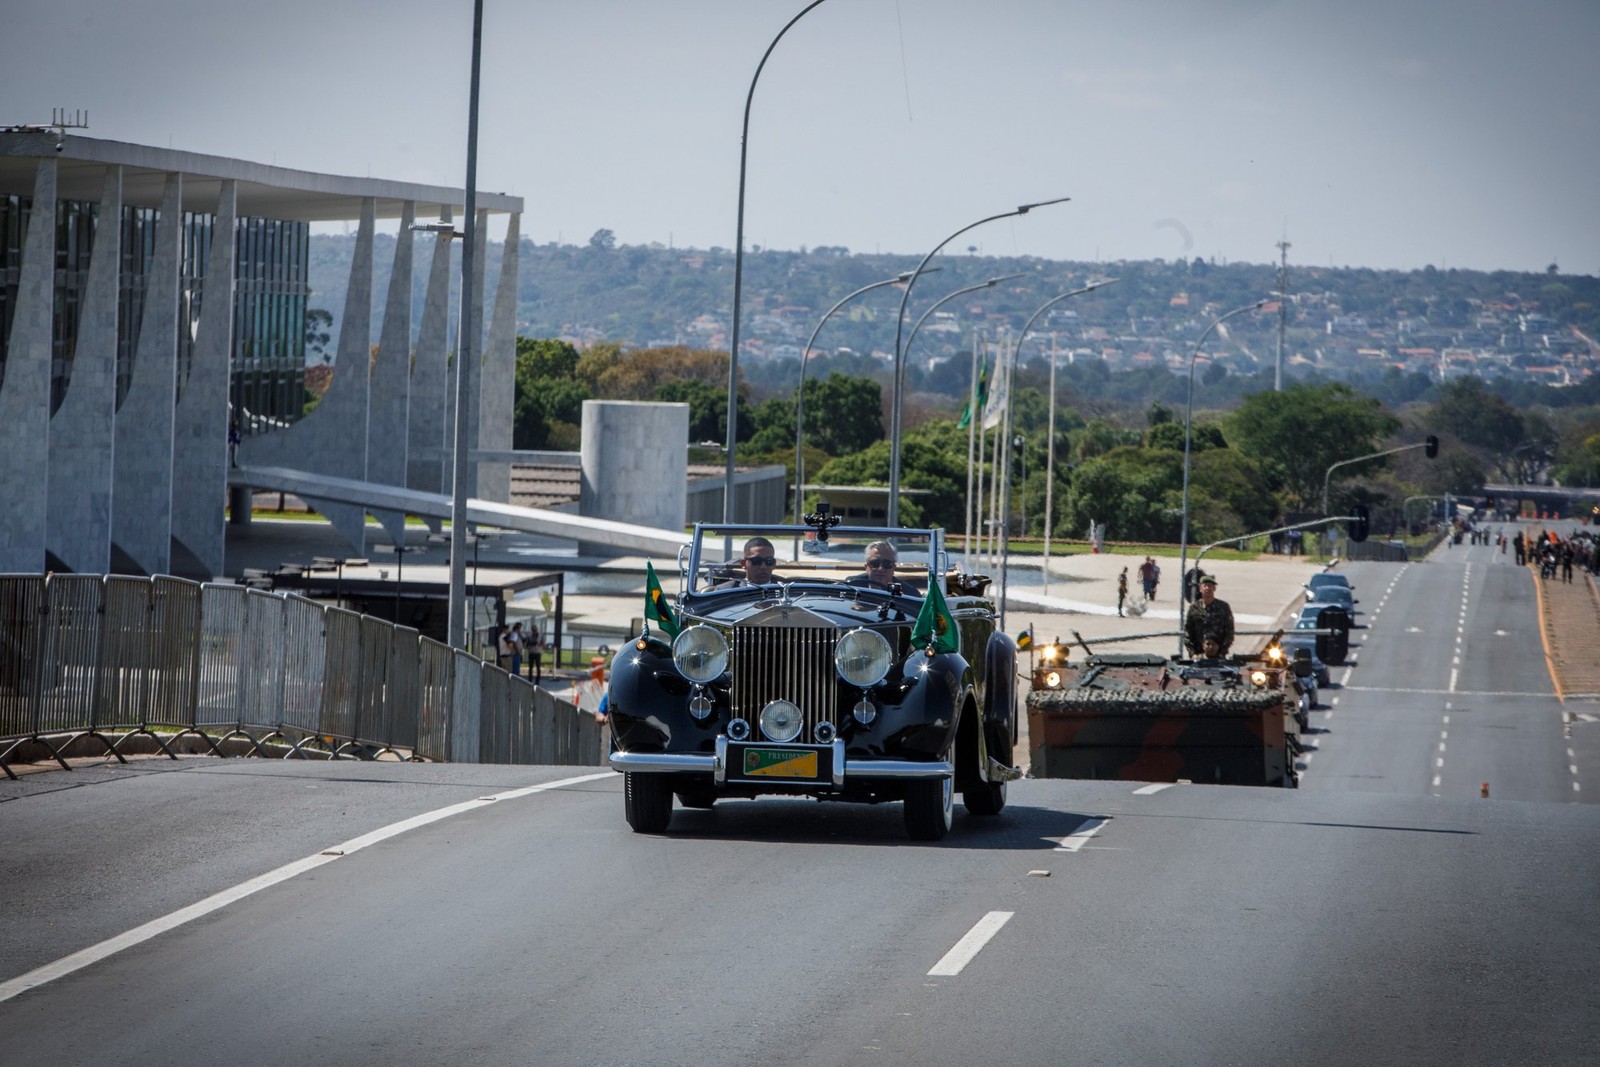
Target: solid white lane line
x: 970, y: 945
x: 1152, y: 789
x: 217, y: 901
x: 1080, y: 837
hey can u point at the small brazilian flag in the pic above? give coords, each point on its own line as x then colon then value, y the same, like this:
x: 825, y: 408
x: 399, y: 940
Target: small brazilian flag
x: 1025, y: 639
x: 655, y: 603
x: 936, y: 627
x: 983, y: 397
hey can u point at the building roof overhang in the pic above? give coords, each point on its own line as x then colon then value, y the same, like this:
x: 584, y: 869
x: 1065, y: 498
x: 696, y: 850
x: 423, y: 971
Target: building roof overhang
x: 264, y: 191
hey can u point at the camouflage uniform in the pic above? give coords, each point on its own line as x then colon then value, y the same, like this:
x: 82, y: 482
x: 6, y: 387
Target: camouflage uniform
x: 1201, y: 620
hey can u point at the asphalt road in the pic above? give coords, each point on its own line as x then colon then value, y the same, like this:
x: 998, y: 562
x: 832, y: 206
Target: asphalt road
x: 1383, y: 913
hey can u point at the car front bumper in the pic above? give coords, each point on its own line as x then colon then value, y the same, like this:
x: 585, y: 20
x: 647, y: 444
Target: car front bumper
x: 843, y: 769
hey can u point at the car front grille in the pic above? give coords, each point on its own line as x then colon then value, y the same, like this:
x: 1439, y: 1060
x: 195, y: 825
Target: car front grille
x: 794, y: 664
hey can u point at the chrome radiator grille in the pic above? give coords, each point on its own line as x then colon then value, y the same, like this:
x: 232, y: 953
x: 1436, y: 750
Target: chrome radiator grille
x: 794, y: 664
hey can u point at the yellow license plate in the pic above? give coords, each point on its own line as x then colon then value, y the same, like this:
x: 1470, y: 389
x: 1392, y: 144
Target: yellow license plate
x: 780, y: 763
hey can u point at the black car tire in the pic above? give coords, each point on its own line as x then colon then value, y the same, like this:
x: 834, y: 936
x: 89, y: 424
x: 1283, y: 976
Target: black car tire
x: 985, y: 798
x: 647, y: 801
x: 930, y: 808
x: 697, y: 798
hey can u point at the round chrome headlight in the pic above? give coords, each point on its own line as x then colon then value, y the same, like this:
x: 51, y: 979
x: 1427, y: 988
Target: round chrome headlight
x: 700, y: 654
x: 863, y: 657
x: 1052, y: 680
x: 781, y: 721
x: 1258, y: 679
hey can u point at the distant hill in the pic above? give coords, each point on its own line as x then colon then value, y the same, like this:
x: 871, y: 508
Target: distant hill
x: 1520, y: 330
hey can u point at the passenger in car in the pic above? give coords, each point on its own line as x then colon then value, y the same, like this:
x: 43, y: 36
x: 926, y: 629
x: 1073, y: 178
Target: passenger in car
x: 882, y: 558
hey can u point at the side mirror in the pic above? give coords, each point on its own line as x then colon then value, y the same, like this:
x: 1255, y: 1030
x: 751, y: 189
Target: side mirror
x: 1431, y: 449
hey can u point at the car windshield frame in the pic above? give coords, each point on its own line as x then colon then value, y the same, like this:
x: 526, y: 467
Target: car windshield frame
x: 805, y: 554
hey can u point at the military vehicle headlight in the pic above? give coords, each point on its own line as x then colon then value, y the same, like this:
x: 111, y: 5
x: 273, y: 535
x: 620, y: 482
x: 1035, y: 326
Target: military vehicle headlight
x: 1258, y: 679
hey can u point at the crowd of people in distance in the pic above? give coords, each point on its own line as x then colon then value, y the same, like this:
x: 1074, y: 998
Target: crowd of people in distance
x: 1555, y: 556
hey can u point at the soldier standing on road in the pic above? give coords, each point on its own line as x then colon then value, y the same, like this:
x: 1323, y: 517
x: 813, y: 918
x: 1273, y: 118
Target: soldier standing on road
x: 1208, y: 615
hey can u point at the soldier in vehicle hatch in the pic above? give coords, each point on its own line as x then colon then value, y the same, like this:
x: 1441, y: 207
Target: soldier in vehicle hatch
x: 1208, y: 615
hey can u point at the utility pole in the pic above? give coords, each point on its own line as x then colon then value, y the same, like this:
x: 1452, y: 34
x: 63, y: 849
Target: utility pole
x: 1283, y: 308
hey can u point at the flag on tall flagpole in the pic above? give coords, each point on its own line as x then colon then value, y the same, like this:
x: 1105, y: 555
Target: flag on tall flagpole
x: 994, y: 411
x: 983, y: 397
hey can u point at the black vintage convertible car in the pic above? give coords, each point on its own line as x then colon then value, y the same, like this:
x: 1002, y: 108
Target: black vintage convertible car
x: 804, y: 672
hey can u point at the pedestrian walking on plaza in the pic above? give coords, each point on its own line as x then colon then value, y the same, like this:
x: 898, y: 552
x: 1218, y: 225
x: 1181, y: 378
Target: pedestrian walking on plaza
x: 514, y: 639
x: 1147, y: 577
x: 1122, y: 590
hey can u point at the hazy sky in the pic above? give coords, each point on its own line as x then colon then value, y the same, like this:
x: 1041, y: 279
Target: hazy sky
x: 1381, y: 133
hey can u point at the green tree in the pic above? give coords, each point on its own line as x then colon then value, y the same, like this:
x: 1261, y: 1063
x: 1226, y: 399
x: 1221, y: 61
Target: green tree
x: 1468, y: 411
x: 1170, y: 435
x: 844, y: 414
x: 1298, y: 434
x: 708, y: 408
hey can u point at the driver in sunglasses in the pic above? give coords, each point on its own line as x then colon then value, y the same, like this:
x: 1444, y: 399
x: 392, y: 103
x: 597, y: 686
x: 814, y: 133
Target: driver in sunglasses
x: 759, y: 559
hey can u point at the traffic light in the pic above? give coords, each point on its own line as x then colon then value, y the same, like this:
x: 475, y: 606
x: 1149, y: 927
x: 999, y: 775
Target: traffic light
x: 1358, y: 523
x: 1431, y: 449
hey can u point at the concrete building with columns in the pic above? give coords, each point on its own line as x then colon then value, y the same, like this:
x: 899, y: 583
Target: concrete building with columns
x: 128, y: 350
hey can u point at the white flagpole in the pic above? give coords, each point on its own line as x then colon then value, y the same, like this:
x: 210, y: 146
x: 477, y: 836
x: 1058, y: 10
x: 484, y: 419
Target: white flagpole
x: 974, y: 416
x: 1050, y: 468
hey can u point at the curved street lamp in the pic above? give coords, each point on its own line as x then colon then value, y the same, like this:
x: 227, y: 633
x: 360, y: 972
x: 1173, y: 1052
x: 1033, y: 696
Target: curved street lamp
x: 1188, y: 426
x: 800, y: 390
x: 899, y: 352
x: 738, y: 272
x: 1050, y: 463
x: 937, y: 304
x: 466, y: 362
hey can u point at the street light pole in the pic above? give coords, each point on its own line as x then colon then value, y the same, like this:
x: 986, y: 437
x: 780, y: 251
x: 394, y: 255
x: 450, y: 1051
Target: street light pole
x: 1188, y: 430
x: 899, y: 352
x: 738, y: 272
x: 800, y: 390
x: 1328, y: 477
x: 466, y: 358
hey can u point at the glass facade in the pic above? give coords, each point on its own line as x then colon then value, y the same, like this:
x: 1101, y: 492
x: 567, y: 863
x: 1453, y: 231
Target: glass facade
x: 271, y: 288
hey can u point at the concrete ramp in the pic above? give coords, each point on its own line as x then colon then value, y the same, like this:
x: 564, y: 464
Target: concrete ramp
x: 316, y: 488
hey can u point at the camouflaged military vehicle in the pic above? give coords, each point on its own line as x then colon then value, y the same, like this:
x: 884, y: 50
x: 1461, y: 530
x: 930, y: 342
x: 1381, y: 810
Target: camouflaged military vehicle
x: 1146, y: 718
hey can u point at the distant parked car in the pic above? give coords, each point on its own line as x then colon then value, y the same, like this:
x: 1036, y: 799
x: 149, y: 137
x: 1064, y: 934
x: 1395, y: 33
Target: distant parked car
x: 1321, y: 581
x: 1337, y: 595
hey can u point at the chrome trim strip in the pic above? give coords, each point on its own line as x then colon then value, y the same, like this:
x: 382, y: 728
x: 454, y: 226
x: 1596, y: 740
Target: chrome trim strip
x: 843, y: 769
x: 882, y: 768
x: 652, y: 762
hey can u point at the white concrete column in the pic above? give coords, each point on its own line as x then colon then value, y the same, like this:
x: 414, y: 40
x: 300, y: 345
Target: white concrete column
x: 141, y: 504
x: 391, y: 378
x: 332, y: 440
x: 428, y: 420
x: 635, y: 462
x: 474, y: 320
x: 200, y: 427
x: 499, y: 382
x: 25, y: 389
x: 78, y: 526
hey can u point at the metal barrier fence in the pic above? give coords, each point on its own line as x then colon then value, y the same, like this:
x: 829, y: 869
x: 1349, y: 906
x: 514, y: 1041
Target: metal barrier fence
x: 112, y: 658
